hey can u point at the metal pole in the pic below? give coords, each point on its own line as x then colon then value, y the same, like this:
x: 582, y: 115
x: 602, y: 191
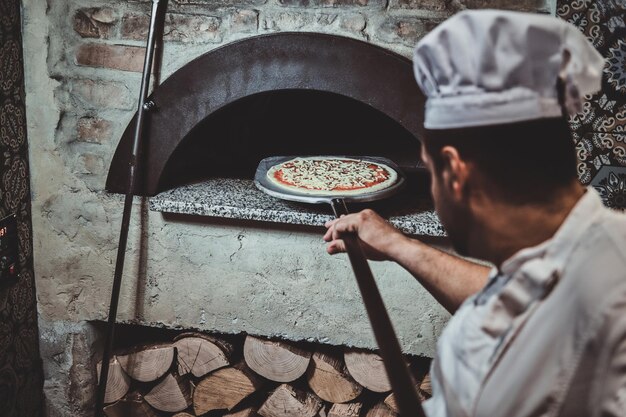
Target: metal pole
x: 402, y: 383
x: 133, y: 169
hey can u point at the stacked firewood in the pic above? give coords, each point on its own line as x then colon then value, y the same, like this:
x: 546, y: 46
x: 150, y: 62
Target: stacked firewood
x: 198, y: 375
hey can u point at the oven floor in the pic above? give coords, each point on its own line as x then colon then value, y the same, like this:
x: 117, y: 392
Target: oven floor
x: 237, y: 198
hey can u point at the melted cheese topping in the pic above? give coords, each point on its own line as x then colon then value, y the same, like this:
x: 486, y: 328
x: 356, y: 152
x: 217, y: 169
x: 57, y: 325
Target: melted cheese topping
x: 328, y: 175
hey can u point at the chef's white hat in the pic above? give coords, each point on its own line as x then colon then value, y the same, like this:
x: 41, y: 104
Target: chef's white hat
x: 486, y: 67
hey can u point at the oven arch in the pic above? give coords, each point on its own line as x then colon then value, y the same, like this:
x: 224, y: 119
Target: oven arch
x: 286, y: 61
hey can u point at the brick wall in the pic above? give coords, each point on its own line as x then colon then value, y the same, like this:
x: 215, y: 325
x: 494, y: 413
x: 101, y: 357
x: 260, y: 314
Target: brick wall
x: 108, y: 35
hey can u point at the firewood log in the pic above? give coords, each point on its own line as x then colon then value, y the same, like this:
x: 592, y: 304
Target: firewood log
x: 226, y: 346
x: 183, y: 414
x: 276, y: 361
x: 286, y: 401
x: 367, y: 369
x: 200, y: 355
x: 172, y: 394
x: 426, y: 386
x: 148, y: 364
x: 246, y: 412
x: 329, y: 379
x: 380, y: 410
x: 133, y: 405
x: 345, y: 410
x: 118, y: 382
x: 224, y: 389
x: 390, y: 400
x: 420, y: 373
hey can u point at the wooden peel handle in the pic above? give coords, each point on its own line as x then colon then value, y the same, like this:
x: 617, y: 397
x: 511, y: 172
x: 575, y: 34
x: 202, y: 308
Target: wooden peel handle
x: 402, y: 384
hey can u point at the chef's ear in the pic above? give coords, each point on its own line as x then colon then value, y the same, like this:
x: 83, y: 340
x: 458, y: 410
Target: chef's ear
x: 454, y: 171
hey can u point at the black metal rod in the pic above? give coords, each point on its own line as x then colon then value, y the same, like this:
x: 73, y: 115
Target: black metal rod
x: 402, y: 383
x: 133, y: 168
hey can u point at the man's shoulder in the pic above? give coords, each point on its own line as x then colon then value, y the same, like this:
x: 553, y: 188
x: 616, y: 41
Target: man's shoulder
x: 612, y: 227
x: 597, y: 265
x: 604, y: 243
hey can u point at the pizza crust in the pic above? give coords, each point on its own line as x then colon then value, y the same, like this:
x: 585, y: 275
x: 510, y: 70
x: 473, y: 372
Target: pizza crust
x: 388, y: 182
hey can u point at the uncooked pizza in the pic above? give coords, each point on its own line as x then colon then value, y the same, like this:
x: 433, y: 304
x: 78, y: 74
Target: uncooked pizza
x: 332, y: 176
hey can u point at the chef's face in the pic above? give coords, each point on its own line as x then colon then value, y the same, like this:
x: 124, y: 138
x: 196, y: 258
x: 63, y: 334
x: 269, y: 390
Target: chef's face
x: 450, y: 204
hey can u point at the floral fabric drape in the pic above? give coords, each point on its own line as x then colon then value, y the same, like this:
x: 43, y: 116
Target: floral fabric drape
x: 600, y: 131
x: 20, y: 366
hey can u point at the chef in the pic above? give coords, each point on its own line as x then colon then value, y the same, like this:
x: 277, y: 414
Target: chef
x: 543, y: 332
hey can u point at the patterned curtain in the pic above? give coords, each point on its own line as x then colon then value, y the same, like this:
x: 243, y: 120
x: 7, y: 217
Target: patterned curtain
x: 600, y: 131
x: 20, y: 366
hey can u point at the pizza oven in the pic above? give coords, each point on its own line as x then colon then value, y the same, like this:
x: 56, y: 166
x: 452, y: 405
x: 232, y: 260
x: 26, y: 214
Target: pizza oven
x: 214, y: 119
x: 219, y: 255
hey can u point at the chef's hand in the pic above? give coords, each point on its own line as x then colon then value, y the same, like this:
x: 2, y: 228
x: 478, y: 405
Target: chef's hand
x: 379, y: 239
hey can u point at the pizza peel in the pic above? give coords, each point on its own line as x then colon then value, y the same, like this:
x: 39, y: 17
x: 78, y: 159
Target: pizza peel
x: 401, y: 381
x: 262, y: 183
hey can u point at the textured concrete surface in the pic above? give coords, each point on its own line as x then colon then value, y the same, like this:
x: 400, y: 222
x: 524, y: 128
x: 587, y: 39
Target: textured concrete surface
x: 232, y: 276
x: 68, y: 351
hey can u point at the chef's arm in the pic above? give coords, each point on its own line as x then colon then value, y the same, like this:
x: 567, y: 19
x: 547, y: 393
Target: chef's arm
x: 448, y: 278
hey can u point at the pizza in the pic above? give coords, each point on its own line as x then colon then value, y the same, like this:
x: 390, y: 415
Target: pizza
x: 326, y: 175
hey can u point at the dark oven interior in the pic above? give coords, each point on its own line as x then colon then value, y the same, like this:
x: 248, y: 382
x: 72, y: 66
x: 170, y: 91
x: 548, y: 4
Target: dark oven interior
x: 232, y: 141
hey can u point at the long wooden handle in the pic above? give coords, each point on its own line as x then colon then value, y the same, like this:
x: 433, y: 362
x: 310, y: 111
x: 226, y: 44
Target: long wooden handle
x: 401, y: 381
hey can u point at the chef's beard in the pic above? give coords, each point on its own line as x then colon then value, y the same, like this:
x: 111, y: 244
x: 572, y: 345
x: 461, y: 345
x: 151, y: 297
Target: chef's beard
x: 459, y: 237
x: 457, y: 220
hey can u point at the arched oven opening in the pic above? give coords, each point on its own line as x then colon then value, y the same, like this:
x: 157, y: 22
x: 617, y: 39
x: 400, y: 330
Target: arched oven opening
x: 287, y: 93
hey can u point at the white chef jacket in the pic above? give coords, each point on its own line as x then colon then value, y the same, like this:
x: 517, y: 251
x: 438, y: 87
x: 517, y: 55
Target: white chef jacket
x: 547, y: 334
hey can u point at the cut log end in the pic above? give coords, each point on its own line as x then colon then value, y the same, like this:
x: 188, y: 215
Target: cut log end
x: 328, y: 377
x: 426, y: 387
x: 390, y: 400
x: 380, y: 410
x: 367, y: 369
x: 286, y: 401
x: 149, y: 364
x: 276, y: 361
x: 224, y: 389
x: 199, y: 356
x: 172, y: 394
x: 345, y: 410
x: 118, y: 382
